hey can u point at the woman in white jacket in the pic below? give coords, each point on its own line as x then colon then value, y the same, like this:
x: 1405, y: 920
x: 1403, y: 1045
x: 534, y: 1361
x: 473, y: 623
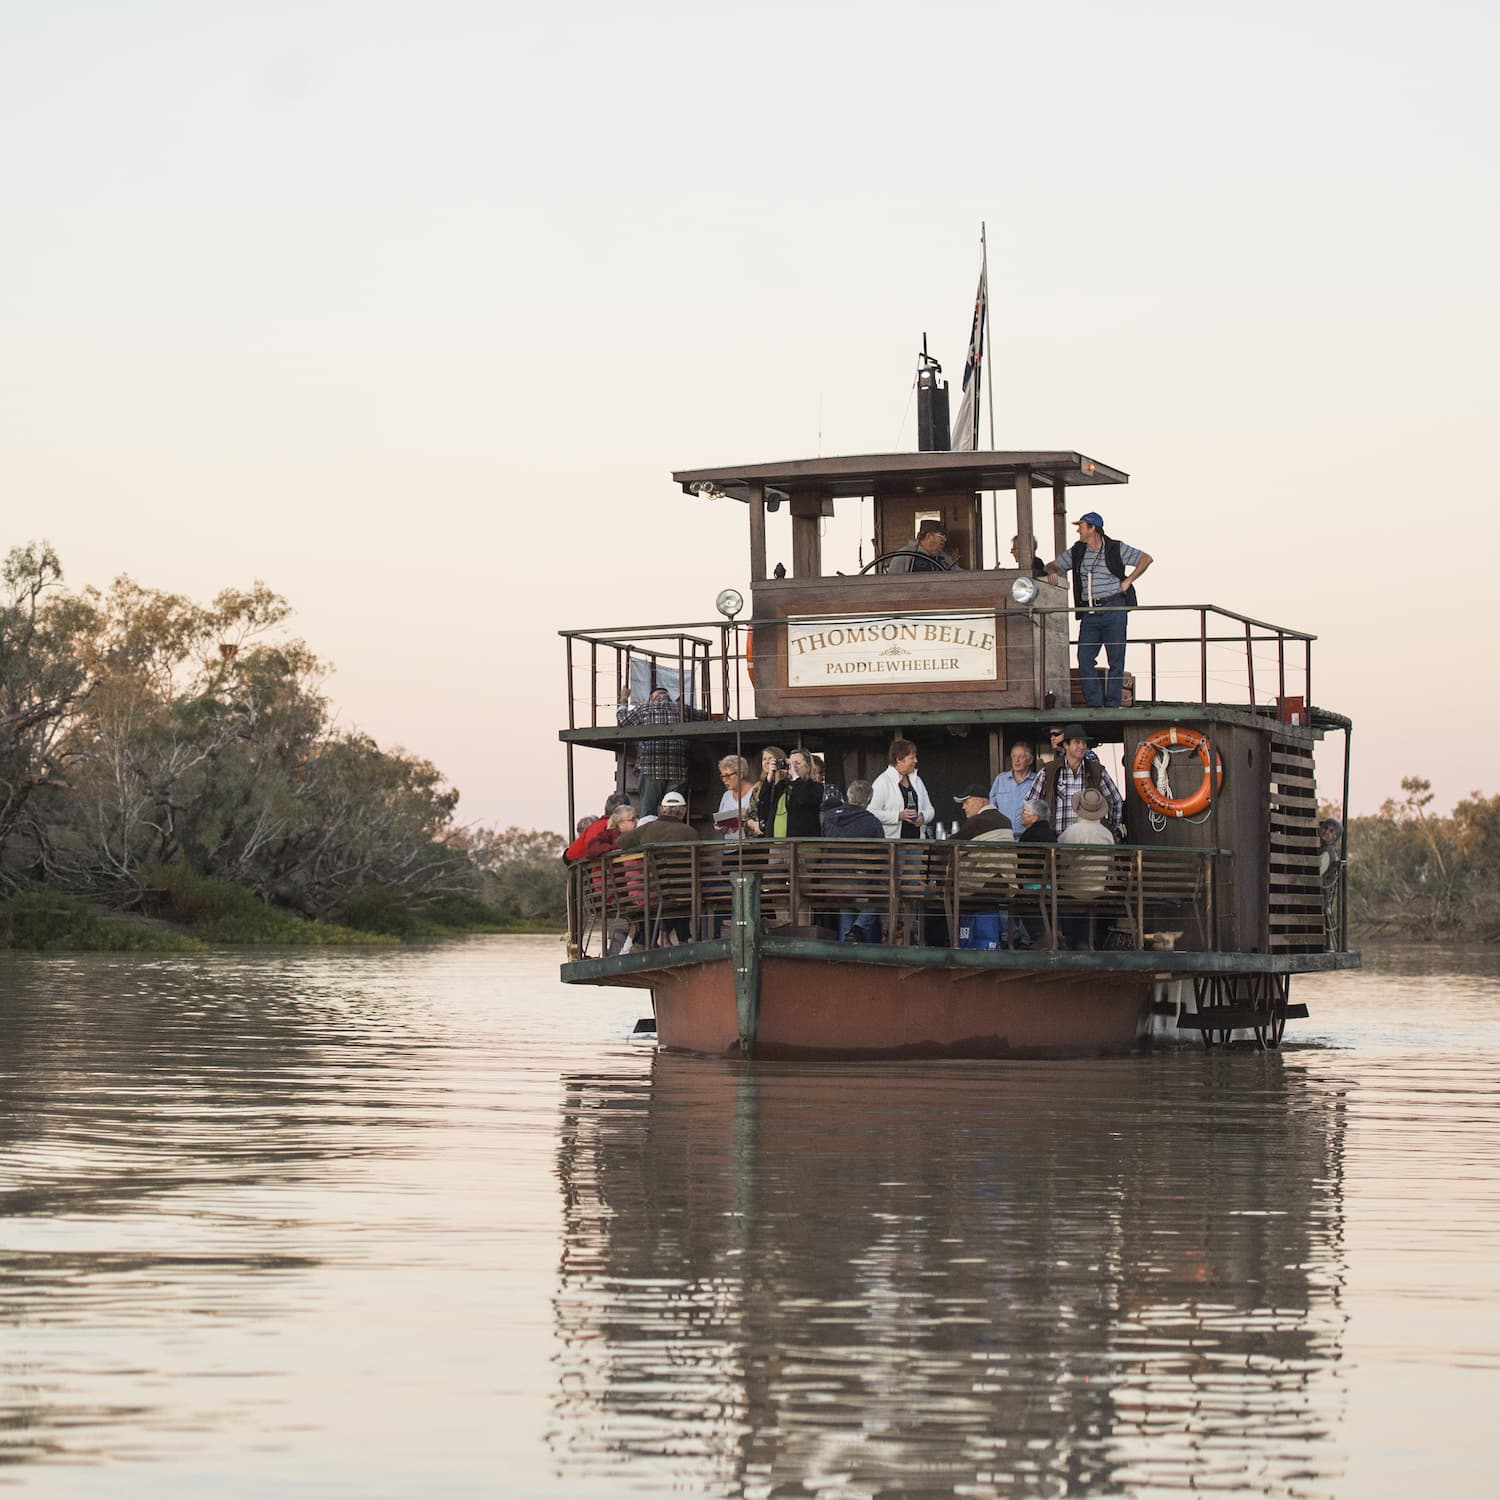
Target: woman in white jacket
x: 899, y: 799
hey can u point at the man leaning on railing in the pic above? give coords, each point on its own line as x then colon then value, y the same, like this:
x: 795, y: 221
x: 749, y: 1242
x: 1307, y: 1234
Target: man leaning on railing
x: 1101, y: 585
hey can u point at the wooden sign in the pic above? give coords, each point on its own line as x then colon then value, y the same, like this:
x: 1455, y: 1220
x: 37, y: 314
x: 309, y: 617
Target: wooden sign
x: 849, y: 651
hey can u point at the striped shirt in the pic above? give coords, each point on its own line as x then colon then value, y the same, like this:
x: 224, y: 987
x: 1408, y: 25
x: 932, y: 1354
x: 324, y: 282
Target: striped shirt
x: 1095, y: 571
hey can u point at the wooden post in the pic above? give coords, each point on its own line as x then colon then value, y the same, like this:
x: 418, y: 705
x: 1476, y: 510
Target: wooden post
x: 757, y: 532
x: 1025, y: 525
x: 1059, y: 520
x: 807, y: 544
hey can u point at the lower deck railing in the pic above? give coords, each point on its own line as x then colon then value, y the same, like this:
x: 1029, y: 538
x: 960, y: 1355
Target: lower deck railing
x: 954, y: 894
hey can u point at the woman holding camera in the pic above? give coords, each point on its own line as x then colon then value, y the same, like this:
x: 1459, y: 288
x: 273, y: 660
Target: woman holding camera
x: 790, y: 804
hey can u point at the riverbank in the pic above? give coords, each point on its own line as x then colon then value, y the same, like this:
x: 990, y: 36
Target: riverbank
x: 203, y: 914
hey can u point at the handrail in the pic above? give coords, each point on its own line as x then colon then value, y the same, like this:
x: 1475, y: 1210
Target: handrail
x: 722, y: 680
x: 624, y: 632
x: 910, y: 885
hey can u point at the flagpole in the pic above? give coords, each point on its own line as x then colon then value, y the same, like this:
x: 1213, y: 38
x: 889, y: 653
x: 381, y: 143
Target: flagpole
x: 984, y: 273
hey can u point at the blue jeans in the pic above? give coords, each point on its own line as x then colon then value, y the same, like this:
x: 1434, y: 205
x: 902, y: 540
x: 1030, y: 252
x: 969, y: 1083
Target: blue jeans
x: 1102, y: 627
x: 653, y: 790
x: 868, y: 923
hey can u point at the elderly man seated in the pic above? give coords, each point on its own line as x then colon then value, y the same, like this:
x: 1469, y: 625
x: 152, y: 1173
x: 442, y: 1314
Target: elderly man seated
x: 670, y: 826
x: 1085, y: 877
x: 983, y: 823
x: 852, y: 819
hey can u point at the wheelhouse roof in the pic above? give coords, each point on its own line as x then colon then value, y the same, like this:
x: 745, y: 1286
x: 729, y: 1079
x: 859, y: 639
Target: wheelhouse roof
x: 942, y: 472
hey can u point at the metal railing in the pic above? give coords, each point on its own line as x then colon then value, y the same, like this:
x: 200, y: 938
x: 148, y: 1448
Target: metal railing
x: 1222, y: 657
x: 1120, y: 896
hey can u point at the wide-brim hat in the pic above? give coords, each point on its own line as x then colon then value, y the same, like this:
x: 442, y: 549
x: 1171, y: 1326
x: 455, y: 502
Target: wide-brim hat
x: 1091, y: 804
x: 1075, y: 732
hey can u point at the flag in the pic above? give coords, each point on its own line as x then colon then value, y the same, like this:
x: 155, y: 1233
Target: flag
x: 966, y: 426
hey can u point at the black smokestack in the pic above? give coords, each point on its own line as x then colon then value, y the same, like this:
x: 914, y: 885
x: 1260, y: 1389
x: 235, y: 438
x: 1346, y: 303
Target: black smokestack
x: 932, y: 405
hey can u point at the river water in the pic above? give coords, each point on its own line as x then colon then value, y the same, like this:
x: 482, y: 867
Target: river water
x: 427, y: 1223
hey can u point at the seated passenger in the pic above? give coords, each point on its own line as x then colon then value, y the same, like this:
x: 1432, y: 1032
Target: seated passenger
x: 1036, y: 824
x: 1085, y: 877
x: 924, y: 553
x: 983, y: 822
x: 602, y: 835
x: 1038, y: 567
x: 669, y: 826
x: 981, y: 817
x: 852, y: 819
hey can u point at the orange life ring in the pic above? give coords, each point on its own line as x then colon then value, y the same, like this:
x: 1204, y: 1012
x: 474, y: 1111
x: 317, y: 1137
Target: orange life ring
x: 750, y: 655
x: 1168, y: 739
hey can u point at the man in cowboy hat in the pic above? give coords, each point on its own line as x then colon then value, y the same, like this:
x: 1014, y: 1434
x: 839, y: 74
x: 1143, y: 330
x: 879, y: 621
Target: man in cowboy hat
x: 1074, y: 772
x: 1102, y: 586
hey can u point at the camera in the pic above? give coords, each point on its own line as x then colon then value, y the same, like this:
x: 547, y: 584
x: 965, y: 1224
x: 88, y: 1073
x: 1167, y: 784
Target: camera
x: 781, y: 765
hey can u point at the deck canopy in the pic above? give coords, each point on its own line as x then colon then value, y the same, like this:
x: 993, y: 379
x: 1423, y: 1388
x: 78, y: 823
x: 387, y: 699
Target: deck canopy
x: 854, y: 477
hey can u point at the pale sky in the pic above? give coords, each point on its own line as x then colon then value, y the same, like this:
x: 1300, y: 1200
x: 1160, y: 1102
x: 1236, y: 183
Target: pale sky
x: 410, y: 311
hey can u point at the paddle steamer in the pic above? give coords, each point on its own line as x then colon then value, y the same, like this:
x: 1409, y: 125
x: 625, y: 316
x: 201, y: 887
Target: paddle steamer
x: 1195, y: 928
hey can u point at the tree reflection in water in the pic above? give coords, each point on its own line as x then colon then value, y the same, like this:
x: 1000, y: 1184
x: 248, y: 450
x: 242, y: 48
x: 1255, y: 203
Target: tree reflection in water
x: 1036, y: 1278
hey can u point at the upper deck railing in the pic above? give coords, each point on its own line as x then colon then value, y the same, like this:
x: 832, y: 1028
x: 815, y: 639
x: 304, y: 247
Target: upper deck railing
x: 1111, y: 896
x: 1192, y: 653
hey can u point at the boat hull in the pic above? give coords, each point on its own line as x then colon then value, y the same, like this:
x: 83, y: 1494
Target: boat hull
x: 814, y: 1008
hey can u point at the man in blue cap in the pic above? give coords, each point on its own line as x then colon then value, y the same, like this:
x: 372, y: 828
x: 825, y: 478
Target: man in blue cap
x: 1104, y: 574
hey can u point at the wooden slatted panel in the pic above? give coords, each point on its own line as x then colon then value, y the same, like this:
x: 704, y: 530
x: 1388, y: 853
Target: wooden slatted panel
x: 1294, y: 892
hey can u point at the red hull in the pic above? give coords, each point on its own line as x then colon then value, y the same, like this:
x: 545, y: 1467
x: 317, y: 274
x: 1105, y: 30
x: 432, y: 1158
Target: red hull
x: 811, y: 1008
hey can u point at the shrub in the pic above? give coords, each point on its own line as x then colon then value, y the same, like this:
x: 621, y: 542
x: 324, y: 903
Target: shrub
x: 223, y: 912
x: 46, y: 923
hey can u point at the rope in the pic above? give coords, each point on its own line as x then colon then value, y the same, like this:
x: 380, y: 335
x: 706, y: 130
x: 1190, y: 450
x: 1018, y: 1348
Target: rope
x: 1161, y: 775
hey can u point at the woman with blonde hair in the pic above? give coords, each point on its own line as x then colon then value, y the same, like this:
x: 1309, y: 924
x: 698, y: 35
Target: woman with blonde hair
x: 767, y: 800
x: 734, y: 808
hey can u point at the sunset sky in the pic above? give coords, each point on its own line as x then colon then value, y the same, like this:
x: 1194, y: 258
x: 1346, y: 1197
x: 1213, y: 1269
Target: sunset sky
x: 410, y: 312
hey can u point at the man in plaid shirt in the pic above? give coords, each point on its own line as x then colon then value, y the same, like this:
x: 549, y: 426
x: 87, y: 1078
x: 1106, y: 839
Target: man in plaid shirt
x: 662, y: 763
x: 1061, y: 783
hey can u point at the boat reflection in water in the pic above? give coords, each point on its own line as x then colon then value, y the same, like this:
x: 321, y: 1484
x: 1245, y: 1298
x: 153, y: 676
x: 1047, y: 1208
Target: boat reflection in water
x: 1020, y: 1278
